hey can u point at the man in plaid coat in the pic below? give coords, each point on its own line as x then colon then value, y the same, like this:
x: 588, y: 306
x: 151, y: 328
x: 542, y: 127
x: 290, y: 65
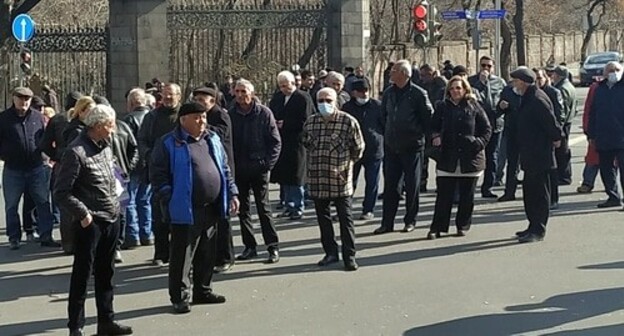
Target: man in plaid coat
x: 334, y: 143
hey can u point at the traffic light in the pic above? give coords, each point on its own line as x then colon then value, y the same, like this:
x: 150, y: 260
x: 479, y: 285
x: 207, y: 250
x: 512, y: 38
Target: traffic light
x: 434, y: 27
x: 420, y: 14
x: 26, y: 60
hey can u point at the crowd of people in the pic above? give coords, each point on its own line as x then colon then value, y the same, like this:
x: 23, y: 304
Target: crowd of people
x: 171, y: 171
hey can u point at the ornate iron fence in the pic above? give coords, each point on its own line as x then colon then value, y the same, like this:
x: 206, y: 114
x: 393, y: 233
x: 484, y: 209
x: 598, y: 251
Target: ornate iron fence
x: 209, y: 42
x: 66, y: 59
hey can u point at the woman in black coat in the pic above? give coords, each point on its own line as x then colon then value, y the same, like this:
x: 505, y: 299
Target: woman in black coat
x: 460, y: 133
x: 289, y: 171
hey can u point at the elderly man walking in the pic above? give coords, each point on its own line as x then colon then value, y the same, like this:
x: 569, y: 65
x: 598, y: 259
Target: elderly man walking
x: 334, y: 142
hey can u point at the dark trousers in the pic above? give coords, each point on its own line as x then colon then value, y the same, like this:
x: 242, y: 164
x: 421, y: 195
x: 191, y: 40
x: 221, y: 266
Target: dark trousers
x: 259, y: 184
x: 608, y: 171
x: 372, y: 170
x: 225, y: 242
x: 94, y: 250
x: 425, y: 172
x: 554, y: 186
x: 161, y: 232
x: 193, y: 245
x: 347, y: 229
x: 491, y: 163
x: 513, y: 163
x: 563, y: 154
x: 396, y: 166
x: 536, y: 197
x: 29, y: 221
x: 447, y: 187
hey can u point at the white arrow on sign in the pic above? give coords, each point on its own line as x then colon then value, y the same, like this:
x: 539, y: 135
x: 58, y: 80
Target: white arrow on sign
x: 23, y: 23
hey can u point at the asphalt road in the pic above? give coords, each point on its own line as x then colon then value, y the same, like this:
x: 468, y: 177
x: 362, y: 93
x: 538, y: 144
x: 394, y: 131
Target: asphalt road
x: 483, y: 284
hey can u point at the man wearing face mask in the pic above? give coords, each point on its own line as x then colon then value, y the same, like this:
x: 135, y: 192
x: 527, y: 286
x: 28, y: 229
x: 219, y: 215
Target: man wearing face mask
x: 605, y: 130
x: 157, y: 123
x: 538, y: 133
x: 562, y: 83
x: 367, y: 111
x: 489, y: 87
x: 334, y: 143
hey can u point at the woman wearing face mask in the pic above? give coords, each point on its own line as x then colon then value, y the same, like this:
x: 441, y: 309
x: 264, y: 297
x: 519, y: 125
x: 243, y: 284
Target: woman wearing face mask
x: 461, y: 130
x: 334, y: 143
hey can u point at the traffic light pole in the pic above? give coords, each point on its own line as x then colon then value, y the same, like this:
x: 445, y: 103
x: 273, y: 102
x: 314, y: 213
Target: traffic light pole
x: 22, y: 74
x: 497, y: 41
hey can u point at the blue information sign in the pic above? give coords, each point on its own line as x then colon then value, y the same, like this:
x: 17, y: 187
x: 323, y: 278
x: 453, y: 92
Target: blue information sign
x: 23, y: 28
x: 491, y: 14
x: 454, y: 15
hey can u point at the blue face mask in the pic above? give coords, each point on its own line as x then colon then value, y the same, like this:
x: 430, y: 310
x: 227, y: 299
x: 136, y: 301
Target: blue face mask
x: 326, y: 109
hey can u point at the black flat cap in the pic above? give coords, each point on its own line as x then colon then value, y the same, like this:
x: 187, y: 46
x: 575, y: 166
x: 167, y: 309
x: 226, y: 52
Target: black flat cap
x: 360, y: 85
x: 459, y: 70
x: 191, y: 108
x: 562, y: 71
x: 524, y: 74
x: 22, y: 92
x: 37, y: 102
x: 205, y: 90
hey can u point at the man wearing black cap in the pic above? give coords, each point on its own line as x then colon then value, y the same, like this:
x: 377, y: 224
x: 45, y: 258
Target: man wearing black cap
x: 537, y: 155
x: 219, y: 122
x: 191, y: 176
x: 24, y: 170
x: 367, y: 111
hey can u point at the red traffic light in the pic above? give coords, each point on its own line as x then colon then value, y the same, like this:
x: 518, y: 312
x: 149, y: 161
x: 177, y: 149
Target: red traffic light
x: 419, y: 12
x: 420, y: 26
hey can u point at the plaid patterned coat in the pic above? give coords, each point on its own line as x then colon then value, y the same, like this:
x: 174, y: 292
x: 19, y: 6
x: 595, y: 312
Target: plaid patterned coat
x: 333, y: 146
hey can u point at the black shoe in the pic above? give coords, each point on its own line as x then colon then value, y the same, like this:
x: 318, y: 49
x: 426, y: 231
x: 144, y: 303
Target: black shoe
x: 147, y: 242
x: 522, y: 233
x: 609, y: 204
x: 461, y: 233
x: 380, y: 197
x: 211, y: 298
x: 554, y: 206
x: 350, y: 265
x: 489, y: 195
x: 328, y: 260
x: 113, y: 328
x: 247, y: 254
x: 382, y: 230
x: 285, y: 214
x: 564, y: 182
x: 498, y: 183
x: 76, y: 332
x: 130, y: 244
x: 50, y: 243
x: 273, y: 256
x: 530, y: 238
x: 181, y: 308
x: 279, y: 206
x: 118, y: 258
x: 433, y: 235
x: 506, y: 198
x: 296, y: 215
x: 224, y: 268
x: 409, y: 228
x: 14, y: 245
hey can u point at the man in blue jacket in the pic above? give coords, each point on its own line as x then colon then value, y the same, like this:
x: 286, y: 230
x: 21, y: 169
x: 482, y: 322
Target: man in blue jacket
x: 192, y: 181
x: 21, y: 130
x: 606, y: 130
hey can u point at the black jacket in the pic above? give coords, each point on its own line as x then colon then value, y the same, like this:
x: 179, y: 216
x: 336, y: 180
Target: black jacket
x: 53, y: 142
x: 370, y: 118
x: 134, y: 120
x: 465, y: 131
x: 556, y: 98
x: 255, y: 140
x: 73, y: 130
x: 510, y: 113
x: 86, y: 183
x: 489, y: 96
x: 435, y: 89
x: 157, y: 123
x: 290, y: 167
x: 219, y: 122
x: 125, y: 148
x: 20, y: 138
x: 406, y: 114
x: 537, y: 130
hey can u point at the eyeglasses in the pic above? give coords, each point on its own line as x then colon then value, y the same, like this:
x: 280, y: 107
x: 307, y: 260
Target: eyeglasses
x: 484, y: 65
x: 324, y: 101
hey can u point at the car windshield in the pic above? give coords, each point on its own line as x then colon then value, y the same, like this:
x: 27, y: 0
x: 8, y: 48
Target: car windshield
x: 601, y: 59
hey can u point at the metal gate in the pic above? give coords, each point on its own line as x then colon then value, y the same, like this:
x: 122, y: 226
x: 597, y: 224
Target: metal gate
x: 209, y: 42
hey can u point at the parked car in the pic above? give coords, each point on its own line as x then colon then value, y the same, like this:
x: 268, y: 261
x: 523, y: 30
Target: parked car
x: 591, y: 70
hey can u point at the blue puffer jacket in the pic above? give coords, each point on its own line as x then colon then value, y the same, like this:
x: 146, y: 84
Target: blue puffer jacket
x: 171, y: 174
x: 606, y: 122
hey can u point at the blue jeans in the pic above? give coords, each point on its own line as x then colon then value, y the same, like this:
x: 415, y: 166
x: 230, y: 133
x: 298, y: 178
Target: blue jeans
x: 491, y: 163
x: 293, y: 198
x: 139, y: 209
x: 589, y: 175
x: 36, y: 182
x: 372, y: 169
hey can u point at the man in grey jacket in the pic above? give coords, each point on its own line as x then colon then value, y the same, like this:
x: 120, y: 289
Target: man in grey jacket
x: 563, y: 154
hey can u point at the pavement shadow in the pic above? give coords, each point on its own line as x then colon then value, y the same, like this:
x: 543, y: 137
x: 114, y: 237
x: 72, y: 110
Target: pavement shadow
x: 607, y: 266
x: 45, y: 326
x: 554, y: 311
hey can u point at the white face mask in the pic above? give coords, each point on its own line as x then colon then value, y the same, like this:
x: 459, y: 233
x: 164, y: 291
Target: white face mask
x: 362, y: 101
x: 326, y: 109
x: 614, y: 77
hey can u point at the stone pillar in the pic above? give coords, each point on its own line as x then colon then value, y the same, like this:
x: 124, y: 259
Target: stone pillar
x: 139, y: 46
x: 348, y: 33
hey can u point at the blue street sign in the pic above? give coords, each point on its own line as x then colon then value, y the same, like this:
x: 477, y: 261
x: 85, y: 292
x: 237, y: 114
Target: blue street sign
x: 23, y: 28
x: 491, y: 14
x: 454, y: 15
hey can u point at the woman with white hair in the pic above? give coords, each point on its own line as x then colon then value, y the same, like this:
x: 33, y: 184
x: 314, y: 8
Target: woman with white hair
x: 86, y: 189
